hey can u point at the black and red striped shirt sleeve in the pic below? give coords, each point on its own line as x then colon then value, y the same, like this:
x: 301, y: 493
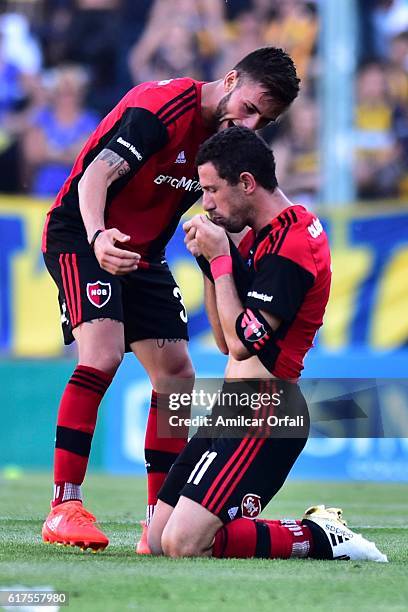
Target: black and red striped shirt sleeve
x: 280, y: 286
x: 150, y: 120
x: 139, y: 135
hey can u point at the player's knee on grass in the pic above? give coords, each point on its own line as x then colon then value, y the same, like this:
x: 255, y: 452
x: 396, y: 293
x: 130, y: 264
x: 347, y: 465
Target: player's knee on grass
x: 179, y: 541
x: 159, y: 520
x: 190, y: 530
x: 154, y: 541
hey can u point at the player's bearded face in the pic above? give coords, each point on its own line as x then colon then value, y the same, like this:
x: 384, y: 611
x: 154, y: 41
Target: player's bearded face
x: 221, y: 111
x: 230, y: 212
x: 247, y: 104
x: 223, y: 202
x: 232, y: 224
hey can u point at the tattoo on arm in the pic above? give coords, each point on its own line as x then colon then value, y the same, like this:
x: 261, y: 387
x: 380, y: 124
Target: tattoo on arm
x: 162, y: 341
x: 115, y: 161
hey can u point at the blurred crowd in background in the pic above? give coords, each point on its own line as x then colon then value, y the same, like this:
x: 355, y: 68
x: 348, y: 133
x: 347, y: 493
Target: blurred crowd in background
x: 65, y: 63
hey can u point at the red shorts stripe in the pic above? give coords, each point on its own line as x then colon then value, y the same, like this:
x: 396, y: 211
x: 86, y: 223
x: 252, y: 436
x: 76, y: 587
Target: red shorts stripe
x: 66, y: 290
x: 231, y: 460
x: 240, y: 475
x: 77, y: 287
x: 258, y: 434
x: 231, y: 474
x: 71, y: 289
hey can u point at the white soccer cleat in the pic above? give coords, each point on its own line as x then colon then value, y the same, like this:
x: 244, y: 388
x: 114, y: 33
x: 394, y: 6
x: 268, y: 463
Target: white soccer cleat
x: 342, y: 542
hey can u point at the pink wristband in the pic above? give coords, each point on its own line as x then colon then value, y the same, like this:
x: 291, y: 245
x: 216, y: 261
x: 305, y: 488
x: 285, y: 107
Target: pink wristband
x: 221, y: 265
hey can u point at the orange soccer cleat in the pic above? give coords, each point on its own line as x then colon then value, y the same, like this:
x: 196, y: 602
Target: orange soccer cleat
x: 142, y: 547
x: 70, y: 524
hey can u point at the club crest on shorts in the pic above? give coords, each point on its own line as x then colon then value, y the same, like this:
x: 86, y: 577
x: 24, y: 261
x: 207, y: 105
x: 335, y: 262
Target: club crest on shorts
x: 98, y: 293
x: 251, y: 506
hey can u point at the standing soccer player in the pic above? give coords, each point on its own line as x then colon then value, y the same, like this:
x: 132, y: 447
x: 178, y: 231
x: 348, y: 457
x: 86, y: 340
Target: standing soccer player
x: 103, y: 245
x: 266, y: 319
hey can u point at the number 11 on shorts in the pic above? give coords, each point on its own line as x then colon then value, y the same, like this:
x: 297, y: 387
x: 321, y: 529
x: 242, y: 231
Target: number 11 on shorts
x: 201, y: 467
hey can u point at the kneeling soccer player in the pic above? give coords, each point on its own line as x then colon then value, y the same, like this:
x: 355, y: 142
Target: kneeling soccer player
x: 265, y: 319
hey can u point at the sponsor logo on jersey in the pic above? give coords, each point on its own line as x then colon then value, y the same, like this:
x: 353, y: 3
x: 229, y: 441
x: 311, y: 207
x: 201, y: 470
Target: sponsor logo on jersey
x: 260, y: 296
x: 183, y: 183
x: 98, y: 293
x: 165, y: 82
x: 315, y: 228
x: 181, y: 158
x: 251, y: 506
x: 232, y: 512
x: 131, y: 148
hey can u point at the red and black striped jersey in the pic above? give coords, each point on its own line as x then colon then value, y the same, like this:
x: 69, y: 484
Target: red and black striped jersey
x: 289, y: 277
x: 157, y: 127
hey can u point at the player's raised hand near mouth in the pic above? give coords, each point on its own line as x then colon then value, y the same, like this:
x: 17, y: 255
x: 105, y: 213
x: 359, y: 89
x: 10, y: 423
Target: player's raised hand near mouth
x: 190, y: 238
x: 114, y: 259
x: 208, y: 239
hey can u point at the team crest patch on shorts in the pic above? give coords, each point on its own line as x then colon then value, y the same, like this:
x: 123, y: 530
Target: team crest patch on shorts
x: 251, y: 506
x: 98, y: 293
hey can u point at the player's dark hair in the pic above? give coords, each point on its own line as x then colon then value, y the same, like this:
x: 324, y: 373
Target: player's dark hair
x: 236, y: 150
x: 274, y: 69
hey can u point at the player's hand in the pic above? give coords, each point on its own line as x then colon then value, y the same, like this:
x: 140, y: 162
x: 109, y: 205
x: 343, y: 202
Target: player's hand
x: 193, y: 247
x: 111, y: 258
x: 189, y: 239
x: 210, y: 240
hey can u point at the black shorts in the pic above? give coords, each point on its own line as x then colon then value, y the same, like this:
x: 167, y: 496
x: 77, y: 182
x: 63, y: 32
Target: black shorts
x: 234, y: 477
x: 147, y: 301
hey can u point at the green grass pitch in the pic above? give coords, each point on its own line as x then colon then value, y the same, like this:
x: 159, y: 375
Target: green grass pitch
x: 118, y: 580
